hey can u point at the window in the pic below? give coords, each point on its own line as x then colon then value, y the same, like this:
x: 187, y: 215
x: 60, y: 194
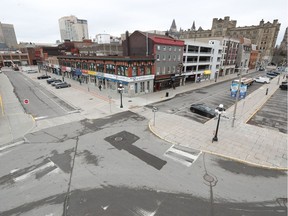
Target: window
x: 122, y: 70
x: 110, y: 69
x: 142, y: 89
x: 158, y: 71
x: 100, y: 67
x: 134, y: 71
x: 168, y: 69
x: 169, y: 48
x: 164, y: 57
x: 164, y: 48
x: 148, y: 85
x: 148, y: 70
x: 169, y: 57
x: 158, y: 47
x: 142, y: 70
x: 158, y: 57
x: 85, y: 66
x: 92, y: 67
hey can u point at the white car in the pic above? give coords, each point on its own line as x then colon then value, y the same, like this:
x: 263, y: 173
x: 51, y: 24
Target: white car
x: 264, y: 80
x: 31, y: 71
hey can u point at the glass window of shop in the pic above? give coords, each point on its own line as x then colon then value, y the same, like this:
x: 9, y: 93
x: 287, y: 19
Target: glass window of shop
x: 85, y: 65
x: 100, y: 67
x: 142, y: 71
x: 73, y: 64
x: 110, y: 68
x: 78, y: 64
x: 148, y: 70
x: 122, y: 70
x: 134, y: 70
x: 92, y: 67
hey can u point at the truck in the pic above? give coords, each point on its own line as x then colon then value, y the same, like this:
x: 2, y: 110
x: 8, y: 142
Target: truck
x: 244, y: 81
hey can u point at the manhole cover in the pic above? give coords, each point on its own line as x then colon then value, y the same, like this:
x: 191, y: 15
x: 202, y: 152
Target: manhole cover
x: 208, y: 178
x: 118, y: 139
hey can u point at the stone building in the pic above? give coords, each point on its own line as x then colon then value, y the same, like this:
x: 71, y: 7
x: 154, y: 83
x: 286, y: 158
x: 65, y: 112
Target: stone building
x: 263, y: 35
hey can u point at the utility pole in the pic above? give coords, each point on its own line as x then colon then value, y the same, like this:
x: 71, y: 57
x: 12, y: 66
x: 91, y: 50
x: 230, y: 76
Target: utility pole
x: 237, y: 96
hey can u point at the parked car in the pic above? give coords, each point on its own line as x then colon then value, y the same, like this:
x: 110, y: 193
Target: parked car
x: 56, y: 81
x: 62, y: 85
x: 260, y: 79
x: 31, y: 71
x: 43, y: 77
x: 271, y: 74
x: 50, y: 80
x: 283, y: 86
x: 203, y: 110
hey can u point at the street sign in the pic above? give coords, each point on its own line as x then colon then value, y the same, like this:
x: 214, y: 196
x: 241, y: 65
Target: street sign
x: 26, y: 101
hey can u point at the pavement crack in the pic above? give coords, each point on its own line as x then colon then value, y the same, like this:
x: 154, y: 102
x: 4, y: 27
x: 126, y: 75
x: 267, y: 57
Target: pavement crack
x: 66, y: 201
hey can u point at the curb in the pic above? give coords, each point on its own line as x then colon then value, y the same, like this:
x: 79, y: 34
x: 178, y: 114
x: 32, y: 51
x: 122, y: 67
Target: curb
x: 220, y: 155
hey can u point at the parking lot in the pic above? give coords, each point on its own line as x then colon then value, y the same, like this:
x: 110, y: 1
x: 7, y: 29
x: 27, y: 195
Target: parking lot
x: 273, y: 114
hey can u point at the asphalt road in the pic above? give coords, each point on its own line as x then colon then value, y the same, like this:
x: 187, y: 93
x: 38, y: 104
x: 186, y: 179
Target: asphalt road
x: 42, y: 103
x: 115, y: 166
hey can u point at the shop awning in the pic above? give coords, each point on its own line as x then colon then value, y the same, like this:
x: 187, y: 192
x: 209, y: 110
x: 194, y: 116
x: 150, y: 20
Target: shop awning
x: 207, y: 72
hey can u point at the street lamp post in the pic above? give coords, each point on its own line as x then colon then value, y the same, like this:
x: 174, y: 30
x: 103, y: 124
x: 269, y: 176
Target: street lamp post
x: 120, y: 89
x: 220, y: 109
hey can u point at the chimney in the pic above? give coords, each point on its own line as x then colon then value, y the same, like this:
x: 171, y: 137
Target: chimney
x: 127, y: 43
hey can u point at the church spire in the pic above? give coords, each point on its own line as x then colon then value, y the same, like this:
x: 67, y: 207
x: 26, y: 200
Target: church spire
x: 173, y: 27
x: 193, y: 26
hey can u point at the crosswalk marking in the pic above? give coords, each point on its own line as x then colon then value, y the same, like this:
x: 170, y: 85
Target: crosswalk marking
x: 184, y: 155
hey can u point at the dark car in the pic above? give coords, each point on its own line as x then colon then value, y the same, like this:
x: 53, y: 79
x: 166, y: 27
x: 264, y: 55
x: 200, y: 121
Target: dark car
x: 283, y: 86
x: 44, y: 77
x: 271, y: 74
x: 55, y: 82
x: 203, y: 110
x: 62, y: 85
x: 50, y: 80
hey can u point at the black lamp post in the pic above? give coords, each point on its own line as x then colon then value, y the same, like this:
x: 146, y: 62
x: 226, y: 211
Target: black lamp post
x: 120, y: 89
x: 219, y: 110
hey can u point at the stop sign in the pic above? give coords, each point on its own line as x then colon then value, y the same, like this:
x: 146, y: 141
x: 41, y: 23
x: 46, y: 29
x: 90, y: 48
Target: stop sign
x: 26, y: 101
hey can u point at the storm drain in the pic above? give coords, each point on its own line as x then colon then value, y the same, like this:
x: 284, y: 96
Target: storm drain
x: 183, y: 155
x: 122, y: 139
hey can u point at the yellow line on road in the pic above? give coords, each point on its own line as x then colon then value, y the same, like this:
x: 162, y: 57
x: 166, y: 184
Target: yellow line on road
x: 1, y: 104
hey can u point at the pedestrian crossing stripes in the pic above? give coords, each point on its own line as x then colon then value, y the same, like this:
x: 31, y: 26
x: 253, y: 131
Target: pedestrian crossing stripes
x: 183, y: 155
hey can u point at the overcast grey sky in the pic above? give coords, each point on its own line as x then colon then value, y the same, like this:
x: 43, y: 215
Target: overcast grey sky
x: 37, y: 20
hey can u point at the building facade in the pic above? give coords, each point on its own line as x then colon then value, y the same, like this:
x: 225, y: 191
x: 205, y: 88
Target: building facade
x: 136, y: 74
x: 73, y: 29
x: 263, y: 35
x: 201, y: 60
x: 8, y: 36
x: 11, y: 58
x: 166, y: 51
x: 243, y: 54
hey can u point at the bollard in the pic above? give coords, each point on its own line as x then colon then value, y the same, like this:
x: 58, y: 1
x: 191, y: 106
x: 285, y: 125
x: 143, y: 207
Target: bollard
x: 267, y: 91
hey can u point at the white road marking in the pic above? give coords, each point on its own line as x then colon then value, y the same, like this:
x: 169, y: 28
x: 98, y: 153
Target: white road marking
x: 22, y: 177
x: 184, y: 157
x: 12, y: 145
x: 40, y: 117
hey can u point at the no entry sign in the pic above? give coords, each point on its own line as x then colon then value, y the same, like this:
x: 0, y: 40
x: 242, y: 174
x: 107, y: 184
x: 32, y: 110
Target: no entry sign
x: 26, y: 101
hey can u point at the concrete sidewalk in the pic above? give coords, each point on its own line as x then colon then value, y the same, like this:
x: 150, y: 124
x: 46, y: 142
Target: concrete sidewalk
x: 243, y: 142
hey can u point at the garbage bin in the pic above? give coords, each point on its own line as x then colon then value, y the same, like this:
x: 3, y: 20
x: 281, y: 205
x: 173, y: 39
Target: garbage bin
x: 167, y: 94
